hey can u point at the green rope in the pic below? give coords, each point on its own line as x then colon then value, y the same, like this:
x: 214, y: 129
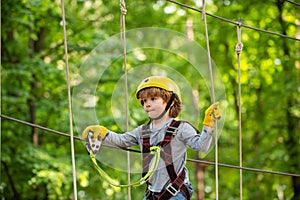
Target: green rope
x: 153, y: 150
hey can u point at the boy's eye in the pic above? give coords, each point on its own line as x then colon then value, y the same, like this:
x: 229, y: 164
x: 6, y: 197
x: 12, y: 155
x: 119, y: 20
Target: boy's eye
x: 143, y: 101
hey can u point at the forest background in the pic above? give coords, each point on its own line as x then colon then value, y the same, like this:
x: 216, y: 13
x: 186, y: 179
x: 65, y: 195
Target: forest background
x: 36, y: 164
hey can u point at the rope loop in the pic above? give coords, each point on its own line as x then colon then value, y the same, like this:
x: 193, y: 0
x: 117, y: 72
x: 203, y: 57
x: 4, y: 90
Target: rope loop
x: 123, y: 7
x: 154, y: 150
x: 203, y: 9
x: 239, y: 45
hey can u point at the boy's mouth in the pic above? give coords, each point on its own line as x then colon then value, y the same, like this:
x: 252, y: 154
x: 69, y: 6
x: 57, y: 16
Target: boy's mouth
x: 149, y: 111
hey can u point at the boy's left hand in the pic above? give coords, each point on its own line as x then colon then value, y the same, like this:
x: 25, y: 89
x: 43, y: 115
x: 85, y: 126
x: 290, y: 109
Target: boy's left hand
x: 211, y: 114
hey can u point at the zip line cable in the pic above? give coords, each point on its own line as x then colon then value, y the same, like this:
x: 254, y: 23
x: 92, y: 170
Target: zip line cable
x: 211, y: 15
x: 197, y: 10
x: 244, y: 168
x: 213, y: 98
x: 69, y: 98
x: 40, y: 127
x: 137, y: 151
x: 292, y: 2
x: 238, y: 49
x: 233, y: 22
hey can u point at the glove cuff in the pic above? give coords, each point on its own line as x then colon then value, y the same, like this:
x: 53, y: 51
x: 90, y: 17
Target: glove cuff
x: 209, y: 122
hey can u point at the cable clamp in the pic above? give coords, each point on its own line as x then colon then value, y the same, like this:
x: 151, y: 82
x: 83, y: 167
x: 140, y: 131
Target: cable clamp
x: 239, y: 45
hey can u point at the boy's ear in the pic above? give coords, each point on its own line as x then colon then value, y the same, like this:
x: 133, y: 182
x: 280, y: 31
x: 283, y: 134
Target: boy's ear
x: 141, y: 101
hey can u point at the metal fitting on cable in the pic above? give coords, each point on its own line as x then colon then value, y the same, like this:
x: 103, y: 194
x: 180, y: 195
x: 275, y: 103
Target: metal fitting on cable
x: 123, y: 7
x: 239, y: 45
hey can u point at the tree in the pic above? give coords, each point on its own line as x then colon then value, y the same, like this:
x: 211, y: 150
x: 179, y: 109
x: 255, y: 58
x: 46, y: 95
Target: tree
x: 35, y: 164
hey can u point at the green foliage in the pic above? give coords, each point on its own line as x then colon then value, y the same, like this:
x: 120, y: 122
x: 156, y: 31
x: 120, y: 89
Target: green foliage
x: 33, y: 89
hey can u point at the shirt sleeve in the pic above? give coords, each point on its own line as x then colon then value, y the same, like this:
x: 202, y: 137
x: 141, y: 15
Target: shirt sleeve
x: 126, y: 139
x: 199, y: 142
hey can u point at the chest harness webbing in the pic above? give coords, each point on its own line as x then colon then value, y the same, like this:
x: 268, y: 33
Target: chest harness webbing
x: 177, y: 180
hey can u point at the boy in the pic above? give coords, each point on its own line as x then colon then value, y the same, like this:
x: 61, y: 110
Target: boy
x: 160, y: 98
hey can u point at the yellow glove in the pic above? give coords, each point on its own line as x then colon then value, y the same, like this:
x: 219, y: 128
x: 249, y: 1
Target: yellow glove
x: 211, y: 114
x: 97, y: 130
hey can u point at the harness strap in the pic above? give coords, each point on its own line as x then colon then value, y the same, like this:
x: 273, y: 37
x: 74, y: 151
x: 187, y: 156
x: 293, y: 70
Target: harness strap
x: 175, y: 187
x: 147, y: 156
x: 167, y: 107
x: 166, y: 153
x: 177, y: 181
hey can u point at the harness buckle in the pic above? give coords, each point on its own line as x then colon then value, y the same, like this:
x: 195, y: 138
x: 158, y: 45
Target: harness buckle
x: 172, y: 130
x: 93, y: 146
x: 172, y: 190
x: 145, y: 132
x: 147, y: 193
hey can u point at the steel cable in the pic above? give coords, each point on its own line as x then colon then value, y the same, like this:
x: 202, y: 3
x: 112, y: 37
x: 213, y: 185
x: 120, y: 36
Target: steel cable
x: 137, y: 151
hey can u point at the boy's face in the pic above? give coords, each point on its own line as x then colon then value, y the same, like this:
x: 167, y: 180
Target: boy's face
x: 154, y: 106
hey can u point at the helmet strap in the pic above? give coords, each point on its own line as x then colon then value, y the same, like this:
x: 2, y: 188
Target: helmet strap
x: 167, y: 107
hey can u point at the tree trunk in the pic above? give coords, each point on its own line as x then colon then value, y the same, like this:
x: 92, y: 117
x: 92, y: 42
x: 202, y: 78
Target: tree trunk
x: 32, y: 111
x: 200, y: 169
x: 35, y: 46
x: 31, y: 100
x: 11, y: 182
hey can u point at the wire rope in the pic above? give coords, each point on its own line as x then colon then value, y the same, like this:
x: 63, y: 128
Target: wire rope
x: 69, y: 99
x: 238, y: 49
x: 244, y: 168
x: 137, y: 151
x: 197, y: 10
x: 123, y: 40
x: 233, y: 22
x: 213, y: 98
x: 211, y: 15
x: 292, y: 2
x: 0, y: 100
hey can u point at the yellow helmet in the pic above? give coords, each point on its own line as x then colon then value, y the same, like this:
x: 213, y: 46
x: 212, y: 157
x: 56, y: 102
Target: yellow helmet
x: 159, y: 82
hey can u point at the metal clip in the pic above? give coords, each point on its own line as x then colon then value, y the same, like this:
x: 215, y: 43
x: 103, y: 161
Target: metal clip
x: 93, y: 146
x: 147, y: 193
x: 145, y: 132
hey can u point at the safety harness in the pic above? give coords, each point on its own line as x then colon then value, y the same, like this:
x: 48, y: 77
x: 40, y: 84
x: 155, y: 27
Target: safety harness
x: 177, y: 180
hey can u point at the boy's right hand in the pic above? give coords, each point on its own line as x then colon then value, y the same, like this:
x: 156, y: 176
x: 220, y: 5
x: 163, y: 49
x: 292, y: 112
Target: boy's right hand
x: 97, y: 130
